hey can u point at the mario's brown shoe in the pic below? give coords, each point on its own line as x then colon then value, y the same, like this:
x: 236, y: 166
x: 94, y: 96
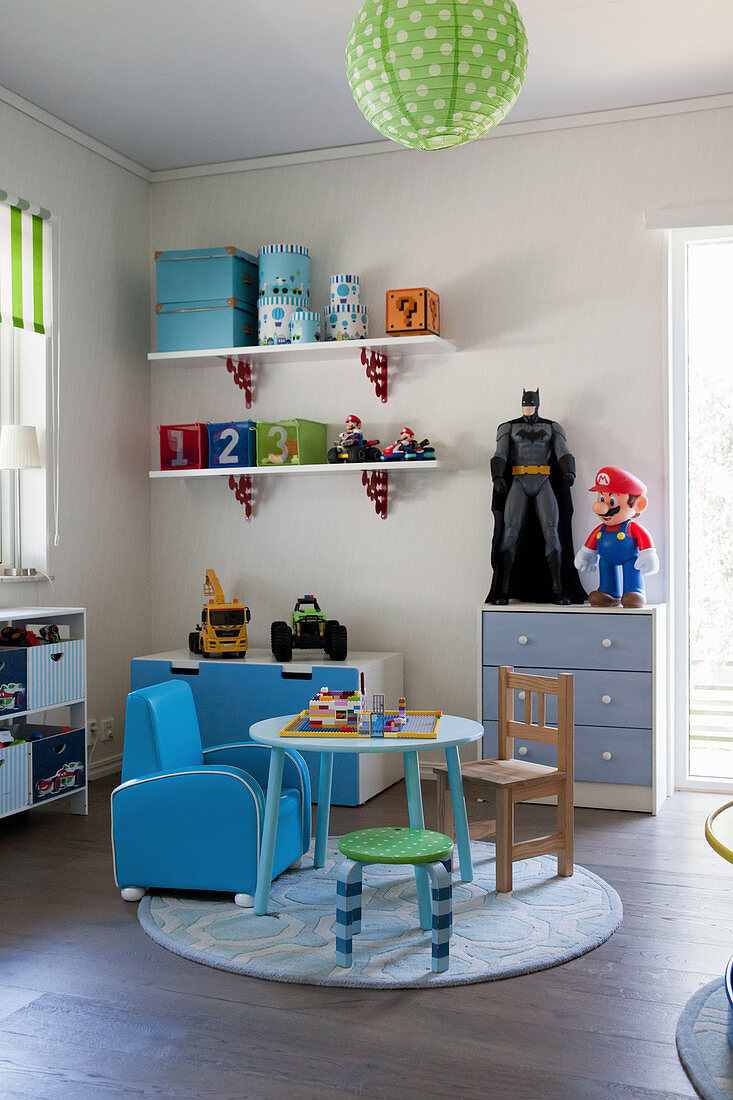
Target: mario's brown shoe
x: 602, y: 599
x: 633, y: 599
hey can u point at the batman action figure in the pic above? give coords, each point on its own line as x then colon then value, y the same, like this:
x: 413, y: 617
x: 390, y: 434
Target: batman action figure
x: 532, y: 550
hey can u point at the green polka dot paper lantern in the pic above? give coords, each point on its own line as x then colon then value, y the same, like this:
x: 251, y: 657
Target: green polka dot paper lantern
x: 435, y: 73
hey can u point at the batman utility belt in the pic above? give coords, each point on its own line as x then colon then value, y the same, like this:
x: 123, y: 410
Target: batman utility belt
x: 519, y: 470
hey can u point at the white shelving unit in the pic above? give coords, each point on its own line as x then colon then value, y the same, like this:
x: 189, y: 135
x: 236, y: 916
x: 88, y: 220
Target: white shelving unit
x: 321, y: 351
x: 314, y: 468
x: 374, y: 354
x: 53, y: 682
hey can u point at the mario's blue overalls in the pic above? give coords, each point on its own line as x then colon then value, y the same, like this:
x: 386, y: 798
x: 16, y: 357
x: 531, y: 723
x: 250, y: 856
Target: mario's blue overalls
x: 618, y: 553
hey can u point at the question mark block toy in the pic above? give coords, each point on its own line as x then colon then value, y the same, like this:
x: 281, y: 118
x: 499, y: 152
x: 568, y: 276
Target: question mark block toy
x: 413, y: 312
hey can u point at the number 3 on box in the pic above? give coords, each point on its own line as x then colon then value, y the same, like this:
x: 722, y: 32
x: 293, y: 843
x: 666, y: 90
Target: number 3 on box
x: 280, y: 435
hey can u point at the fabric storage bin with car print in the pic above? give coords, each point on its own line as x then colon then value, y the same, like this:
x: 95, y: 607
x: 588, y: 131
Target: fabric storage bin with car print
x: 13, y: 778
x: 56, y: 674
x: 13, y: 681
x: 58, y: 762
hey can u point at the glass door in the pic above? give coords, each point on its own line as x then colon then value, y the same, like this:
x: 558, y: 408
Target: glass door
x: 707, y: 752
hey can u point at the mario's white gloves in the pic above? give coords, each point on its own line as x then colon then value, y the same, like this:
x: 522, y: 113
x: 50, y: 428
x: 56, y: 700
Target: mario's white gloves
x: 586, y: 560
x: 647, y: 561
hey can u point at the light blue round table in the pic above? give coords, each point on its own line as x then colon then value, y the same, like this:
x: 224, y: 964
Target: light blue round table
x: 452, y: 732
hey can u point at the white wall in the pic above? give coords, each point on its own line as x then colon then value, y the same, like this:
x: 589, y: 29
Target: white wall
x: 103, y: 562
x: 547, y: 277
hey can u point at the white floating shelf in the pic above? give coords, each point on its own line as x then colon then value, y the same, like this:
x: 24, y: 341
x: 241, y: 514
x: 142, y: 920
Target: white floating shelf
x: 314, y: 468
x: 394, y: 347
x: 375, y: 477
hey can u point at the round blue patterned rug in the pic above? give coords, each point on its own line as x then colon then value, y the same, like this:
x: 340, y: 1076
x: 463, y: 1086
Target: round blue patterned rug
x: 545, y: 921
x: 703, y: 1044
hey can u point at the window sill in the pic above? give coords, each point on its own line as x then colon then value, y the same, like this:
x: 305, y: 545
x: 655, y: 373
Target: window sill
x: 38, y: 578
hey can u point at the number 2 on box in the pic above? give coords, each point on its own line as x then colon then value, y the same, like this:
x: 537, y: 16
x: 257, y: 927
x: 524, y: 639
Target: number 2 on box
x: 227, y: 457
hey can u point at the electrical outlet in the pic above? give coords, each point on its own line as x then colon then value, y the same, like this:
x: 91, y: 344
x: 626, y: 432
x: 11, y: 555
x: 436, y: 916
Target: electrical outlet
x: 108, y: 729
x: 93, y: 730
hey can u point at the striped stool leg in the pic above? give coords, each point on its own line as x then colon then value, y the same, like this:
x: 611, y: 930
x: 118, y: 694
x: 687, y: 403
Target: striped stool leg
x: 442, y: 893
x: 348, y: 908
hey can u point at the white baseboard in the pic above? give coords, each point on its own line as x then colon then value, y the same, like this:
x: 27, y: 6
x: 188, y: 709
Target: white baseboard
x: 107, y: 766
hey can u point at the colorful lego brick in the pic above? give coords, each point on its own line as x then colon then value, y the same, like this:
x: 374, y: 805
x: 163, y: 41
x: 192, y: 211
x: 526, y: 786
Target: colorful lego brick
x: 413, y: 312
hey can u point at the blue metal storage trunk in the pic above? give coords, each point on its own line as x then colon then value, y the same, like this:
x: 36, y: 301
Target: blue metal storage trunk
x: 194, y: 325
x: 203, y: 274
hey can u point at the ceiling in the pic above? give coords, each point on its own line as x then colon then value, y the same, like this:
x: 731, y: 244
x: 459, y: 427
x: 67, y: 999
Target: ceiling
x: 172, y: 83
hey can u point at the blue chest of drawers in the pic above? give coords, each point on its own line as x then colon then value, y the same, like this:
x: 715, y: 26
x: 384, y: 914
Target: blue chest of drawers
x: 231, y: 696
x: 618, y: 660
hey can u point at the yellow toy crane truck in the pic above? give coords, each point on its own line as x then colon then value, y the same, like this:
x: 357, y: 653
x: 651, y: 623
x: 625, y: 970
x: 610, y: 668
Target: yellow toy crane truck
x: 223, y: 627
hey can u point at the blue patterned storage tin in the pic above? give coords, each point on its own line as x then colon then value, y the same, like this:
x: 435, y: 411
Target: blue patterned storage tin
x: 274, y: 319
x: 285, y: 269
x: 13, y: 680
x: 193, y: 326
x: 344, y: 290
x: 202, y: 274
x: 346, y: 322
x: 56, y: 674
x: 58, y: 763
x: 232, y: 444
x: 13, y: 778
x: 305, y: 326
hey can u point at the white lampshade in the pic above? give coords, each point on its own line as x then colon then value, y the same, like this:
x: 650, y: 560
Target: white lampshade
x: 18, y: 447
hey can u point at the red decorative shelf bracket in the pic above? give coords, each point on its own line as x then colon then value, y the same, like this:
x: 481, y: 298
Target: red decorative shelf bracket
x: 376, y: 371
x: 242, y: 488
x: 242, y: 371
x: 377, y: 484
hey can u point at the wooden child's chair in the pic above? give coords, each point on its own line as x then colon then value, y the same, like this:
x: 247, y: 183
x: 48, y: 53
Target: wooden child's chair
x: 503, y: 782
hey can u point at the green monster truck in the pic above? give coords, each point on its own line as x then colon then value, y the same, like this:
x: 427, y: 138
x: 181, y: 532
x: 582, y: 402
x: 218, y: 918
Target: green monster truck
x: 309, y: 629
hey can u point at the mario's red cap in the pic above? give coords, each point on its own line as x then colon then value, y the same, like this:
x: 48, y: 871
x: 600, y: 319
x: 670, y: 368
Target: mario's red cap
x: 612, y: 479
x: 407, y: 431
x: 354, y: 417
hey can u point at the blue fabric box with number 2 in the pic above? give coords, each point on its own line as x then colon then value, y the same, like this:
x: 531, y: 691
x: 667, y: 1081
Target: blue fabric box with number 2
x: 232, y: 444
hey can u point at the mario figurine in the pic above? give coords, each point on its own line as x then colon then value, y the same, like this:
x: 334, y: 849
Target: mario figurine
x: 620, y: 548
x: 407, y: 441
x: 352, y: 437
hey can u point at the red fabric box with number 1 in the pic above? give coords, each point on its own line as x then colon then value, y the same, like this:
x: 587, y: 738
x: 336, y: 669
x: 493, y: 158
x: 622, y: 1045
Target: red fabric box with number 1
x: 184, y: 446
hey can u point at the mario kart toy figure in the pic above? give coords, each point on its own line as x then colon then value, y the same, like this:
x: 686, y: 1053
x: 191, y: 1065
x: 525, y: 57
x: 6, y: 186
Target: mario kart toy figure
x: 351, y: 446
x: 621, y: 549
x: 407, y: 448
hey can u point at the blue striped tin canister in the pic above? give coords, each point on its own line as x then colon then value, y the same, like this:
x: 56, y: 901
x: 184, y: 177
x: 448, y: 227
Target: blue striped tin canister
x: 346, y: 322
x: 344, y: 290
x: 285, y: 271
x: 273, y: 318
x: 305, y: 326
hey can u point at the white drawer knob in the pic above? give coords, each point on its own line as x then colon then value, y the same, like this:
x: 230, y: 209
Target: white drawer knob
x: 523, y: 750
x: 606, y: 755
x: 606, y: 699
x: 520, y: 694
x: 522, y: 639
x: 606, y: 643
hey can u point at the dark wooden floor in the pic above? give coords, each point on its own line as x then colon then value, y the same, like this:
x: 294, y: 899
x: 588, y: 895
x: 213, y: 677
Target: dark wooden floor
x: 90, y: 1007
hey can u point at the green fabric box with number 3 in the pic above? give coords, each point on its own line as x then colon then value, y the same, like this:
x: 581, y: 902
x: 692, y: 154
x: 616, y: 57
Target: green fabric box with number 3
x: 290, y: 443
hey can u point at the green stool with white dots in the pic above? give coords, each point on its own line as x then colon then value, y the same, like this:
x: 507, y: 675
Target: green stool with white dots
x: 433, y: 851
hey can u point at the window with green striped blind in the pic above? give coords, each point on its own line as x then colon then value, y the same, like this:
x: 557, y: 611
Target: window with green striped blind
x: 25, y: 358
x: 25, y: 264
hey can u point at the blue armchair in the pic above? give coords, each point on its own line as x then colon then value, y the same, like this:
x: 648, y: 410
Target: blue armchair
x: 188, y: 819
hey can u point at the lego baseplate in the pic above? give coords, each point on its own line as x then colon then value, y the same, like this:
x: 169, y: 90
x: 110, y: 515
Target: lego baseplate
x: 420, y: 723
